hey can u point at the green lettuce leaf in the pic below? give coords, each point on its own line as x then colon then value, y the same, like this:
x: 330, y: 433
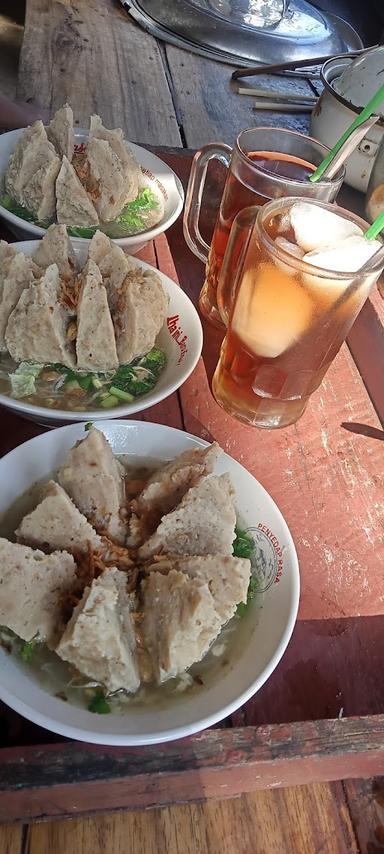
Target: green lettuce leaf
x: 23, y: 380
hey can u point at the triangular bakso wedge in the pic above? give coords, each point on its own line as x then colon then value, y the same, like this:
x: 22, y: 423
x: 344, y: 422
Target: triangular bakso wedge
x: 31, y: 152
x: 56, y: 248
x: 60, y: 132
x: 130, y: 168
x: 95, y: 343
x: 180, y: 622
x: 138, y: 312
x: 18, y: 277
x: 202, y: 524
x: 114, y: 266
x: 113, y: 262
x: 227, y: 578
x: 38, y: 195
x: 99, y: 639
x: 56, y: 523
x: 73, y: 205
x: 106, y: 172
x: 7, y: 252
x: 94, y: 480
x: 33, y: 586
x: 99, y: 247
x: 36, y: 329
x: 167, y: 486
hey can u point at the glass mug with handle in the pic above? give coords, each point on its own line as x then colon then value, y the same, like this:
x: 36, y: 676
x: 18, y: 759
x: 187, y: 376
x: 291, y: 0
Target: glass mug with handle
x: 288, y: 309
x: 266, y: 163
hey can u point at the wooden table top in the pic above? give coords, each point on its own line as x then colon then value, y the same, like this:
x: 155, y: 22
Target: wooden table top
x: 325, y: 472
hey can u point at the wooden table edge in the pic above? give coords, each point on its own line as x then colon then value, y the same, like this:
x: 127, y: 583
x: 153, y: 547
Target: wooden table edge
x: 74, y: 779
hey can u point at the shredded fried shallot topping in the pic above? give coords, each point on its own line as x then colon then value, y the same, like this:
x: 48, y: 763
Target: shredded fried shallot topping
x: 80, y: 164
x: 69, y: 293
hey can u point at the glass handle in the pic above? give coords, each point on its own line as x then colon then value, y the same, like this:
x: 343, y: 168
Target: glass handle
x: 237, y: 246
x: 194, y: 195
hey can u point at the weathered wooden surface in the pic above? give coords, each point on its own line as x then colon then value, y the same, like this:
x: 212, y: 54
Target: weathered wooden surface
x: 365, y: 803
x: 11, y: 839
x: 86, y: 52
x: 290, y: 821
x: 98, y: 59
x: 208, y: 106
x: 72, y: 778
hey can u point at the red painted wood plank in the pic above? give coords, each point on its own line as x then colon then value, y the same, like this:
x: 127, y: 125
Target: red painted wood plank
x: 73, y: 779
x: 327, y: 481
x: 330, y: 668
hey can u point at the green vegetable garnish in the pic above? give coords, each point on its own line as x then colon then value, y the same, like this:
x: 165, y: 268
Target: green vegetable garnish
x: 109, y: 401
x: 141, y: 375
x: 23, y: 379
x: 252, y: 591
x: 122, y: 395
x: 75, y: 231
x: 19, y: 210
x: 132, y: 215
x: 99, y: 704
x: 26, y: 652
x: 88, y: 425
x: 71, y: 385
x: 85, y: 381
x: 243, y: 544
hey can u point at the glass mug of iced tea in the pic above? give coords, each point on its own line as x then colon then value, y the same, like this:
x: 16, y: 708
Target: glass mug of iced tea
x: 265, y: 163
x: 302, y: 275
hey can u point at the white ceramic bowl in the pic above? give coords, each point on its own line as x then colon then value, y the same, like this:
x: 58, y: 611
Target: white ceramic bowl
x: 156, y: 171
x: 181, y: 338
x: 268, y: 628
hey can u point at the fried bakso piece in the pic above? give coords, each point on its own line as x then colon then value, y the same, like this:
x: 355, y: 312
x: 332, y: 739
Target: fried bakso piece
x: 99, y: 639
x: 95, y: 343
x: 180, y: 622
x: 99, y: 247
x: 114, y: 267
x: 18, y: 276
x: 202, y: 524
x: 138, y: 311
x: 56, y: 523
x: 55, y: 248
x: 113, y: 262
x: 94, y: 480
x: 31, y: 152
x: 36, y: 329
x: 129, y: 166
x: 38, y: 195
x: 167, y: 486
x: 107, y: 174
x: 33, y: 586
x: 227, y: 578
x: 60, y: 132
x: 7, y: 252
x: 73, y: 205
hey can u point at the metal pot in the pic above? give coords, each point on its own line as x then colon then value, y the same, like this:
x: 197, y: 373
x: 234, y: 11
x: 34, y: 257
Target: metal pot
x: 333, y: 114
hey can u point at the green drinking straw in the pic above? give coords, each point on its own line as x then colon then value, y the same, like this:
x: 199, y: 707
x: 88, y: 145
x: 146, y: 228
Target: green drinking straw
x: 375, y: 228
x: 366, y: 113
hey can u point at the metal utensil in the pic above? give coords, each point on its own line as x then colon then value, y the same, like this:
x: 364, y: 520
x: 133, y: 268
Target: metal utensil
x: 293, y: 65
x: 349, y: 145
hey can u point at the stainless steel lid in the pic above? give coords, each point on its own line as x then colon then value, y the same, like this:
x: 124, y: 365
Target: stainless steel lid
x: 242, y: 32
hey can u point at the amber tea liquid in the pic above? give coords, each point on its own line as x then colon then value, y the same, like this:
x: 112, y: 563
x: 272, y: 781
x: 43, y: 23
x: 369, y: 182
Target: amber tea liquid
x: 285, y: 328
x: 237, y: 196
